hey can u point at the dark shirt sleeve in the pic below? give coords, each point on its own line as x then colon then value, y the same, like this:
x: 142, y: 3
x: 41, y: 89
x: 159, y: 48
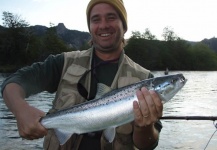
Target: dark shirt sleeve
x: 40, y: 76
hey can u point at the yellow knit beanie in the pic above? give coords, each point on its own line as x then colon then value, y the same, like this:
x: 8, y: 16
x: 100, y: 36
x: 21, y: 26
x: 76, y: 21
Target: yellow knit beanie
x: 117, y: 4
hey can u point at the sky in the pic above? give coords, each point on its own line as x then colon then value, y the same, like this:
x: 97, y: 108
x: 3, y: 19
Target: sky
x: 192, y: 20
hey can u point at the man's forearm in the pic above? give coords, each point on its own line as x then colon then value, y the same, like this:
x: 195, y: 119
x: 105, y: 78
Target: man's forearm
x: 27, y: 116
x: 13, y: 96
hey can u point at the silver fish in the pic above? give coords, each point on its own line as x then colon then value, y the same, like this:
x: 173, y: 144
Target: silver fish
x: 110, y: 110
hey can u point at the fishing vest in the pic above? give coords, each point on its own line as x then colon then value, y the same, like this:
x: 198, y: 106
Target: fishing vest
x: 76, y: 63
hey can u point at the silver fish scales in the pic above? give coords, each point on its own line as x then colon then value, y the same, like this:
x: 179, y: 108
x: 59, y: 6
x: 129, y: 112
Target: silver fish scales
x: 110, y: 110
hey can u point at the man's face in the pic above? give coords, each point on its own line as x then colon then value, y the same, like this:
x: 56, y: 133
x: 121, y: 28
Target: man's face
x: 106, y: 28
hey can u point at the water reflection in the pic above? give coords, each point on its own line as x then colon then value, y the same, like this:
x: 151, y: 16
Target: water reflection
x: 198, y: 97
x: 9, y: 136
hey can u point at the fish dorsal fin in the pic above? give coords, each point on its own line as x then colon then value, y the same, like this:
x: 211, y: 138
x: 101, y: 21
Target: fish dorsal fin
x: 62, y: 136
x: 109, y: 134
x: 102, y: 89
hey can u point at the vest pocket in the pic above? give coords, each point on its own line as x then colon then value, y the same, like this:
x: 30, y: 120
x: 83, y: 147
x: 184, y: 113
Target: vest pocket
x: 69, y: 95
x: 74, y: 73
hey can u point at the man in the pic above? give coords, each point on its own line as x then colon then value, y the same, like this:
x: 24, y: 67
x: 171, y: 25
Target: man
x: 67, y: 75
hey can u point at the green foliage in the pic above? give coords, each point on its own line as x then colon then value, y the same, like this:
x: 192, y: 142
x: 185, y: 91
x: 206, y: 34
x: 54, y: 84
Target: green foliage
x: 202, y: 58
x: 147, y: 35
x: 51, y: 44
x: 19, y: 46
x: 173, y: 54
x: 16, y: 39
x: 13, y: 21
x: 86, y: 45
x: 169, y: 35
x: 144, y: 52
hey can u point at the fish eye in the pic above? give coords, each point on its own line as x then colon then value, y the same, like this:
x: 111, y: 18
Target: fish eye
x: 173, y: 81
x: 183, y: 79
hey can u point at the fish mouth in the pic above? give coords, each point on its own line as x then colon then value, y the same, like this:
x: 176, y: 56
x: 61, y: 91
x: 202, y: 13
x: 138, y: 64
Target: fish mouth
x: 183, y: 80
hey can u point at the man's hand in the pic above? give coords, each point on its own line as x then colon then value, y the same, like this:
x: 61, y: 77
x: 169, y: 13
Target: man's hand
x: 28, y: 123
x: 147, y: 112
x: 27, y: 116
x: 148, y: 109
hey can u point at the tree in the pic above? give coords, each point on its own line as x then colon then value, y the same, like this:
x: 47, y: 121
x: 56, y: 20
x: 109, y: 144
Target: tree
x: 169, y: 35
x: 136, y: 35
x: 13, y: 21
x: 51, y: 43
x: 202, y: 57
x: 148, y: 35
x: 16, y: 41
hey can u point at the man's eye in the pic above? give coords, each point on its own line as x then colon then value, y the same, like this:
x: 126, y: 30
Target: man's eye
x: 112, y: 17
x: 95, y: 20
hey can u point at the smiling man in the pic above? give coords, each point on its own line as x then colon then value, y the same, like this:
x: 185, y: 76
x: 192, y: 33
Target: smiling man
x: 74, y: 77
x: 106, y: 29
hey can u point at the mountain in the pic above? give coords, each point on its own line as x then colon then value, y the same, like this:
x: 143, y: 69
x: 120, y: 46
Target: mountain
x: 38, y: 30
x: 211, y: 43
x: 73, y: 38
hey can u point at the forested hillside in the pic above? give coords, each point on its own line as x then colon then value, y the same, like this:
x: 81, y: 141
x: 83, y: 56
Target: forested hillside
x: 175, y: 55
x: 22, y: 44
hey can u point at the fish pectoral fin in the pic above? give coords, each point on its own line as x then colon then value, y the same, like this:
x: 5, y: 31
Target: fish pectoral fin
x: 109, y: 134
x: 62, y: 136
x: 102, y: 89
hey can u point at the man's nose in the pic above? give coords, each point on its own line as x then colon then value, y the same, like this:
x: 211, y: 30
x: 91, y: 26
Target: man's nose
x: 104, y: 23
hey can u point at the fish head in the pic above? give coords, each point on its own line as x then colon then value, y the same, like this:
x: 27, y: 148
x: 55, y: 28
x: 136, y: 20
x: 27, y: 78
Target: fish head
x: 167, y: 86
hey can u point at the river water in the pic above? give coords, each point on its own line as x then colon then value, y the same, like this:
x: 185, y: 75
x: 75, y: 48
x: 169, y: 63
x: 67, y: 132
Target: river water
x: 197, y: 98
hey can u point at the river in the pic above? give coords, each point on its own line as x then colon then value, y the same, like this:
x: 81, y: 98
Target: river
x: 197, y: 98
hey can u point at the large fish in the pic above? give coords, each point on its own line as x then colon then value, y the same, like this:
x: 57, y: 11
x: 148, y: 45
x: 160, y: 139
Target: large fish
x: 110, y: 110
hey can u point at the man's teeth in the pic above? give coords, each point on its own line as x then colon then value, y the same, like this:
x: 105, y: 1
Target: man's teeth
x: 104, y: 35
